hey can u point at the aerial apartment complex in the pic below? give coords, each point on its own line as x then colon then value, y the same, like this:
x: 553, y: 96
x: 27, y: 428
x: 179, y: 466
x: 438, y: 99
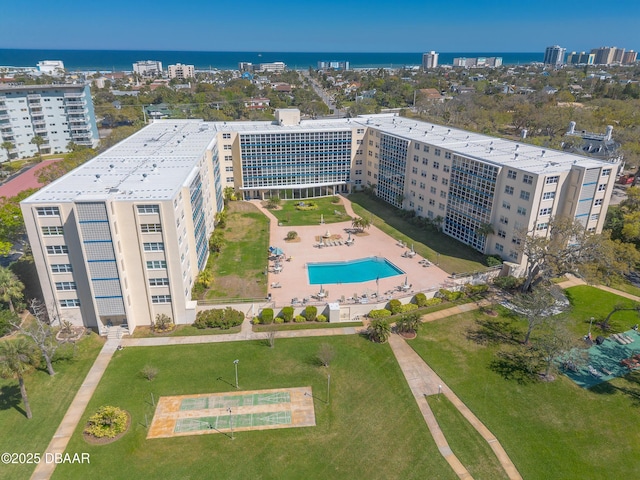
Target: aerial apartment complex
x: 58, y: 114
x: 181, y: 71
x: 123, y: 237
x: 554, y: 55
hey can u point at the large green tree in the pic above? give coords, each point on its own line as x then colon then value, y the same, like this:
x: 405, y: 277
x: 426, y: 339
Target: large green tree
x: 38, y: 141
x: 8, y: 147
x: 17, y: 359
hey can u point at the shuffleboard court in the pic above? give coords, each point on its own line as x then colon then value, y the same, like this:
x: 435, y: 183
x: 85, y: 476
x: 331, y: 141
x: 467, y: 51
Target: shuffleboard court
x: 221, y: 412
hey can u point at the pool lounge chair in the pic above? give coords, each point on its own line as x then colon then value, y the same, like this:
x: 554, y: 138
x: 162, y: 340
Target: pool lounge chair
x: 594, y: 372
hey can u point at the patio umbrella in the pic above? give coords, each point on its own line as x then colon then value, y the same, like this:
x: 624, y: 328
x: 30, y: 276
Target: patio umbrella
x: 277, y: 251
x: 412, y: 250
x: 327, y: 235
x: 321, y: 219
x: 349, y: 237
x: 406, y: 281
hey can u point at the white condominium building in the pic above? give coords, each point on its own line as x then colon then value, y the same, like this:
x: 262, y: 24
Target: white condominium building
x: 148, y: 68
x: 58, y: 114
x: 123, y: 237
x: 181, y: 71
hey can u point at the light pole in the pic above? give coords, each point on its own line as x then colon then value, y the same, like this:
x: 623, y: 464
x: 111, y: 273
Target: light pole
x: 590, y: 324
x: 328, y: 387
x: 437, y: 259
x: 235, y: 362
x: 230, y: 421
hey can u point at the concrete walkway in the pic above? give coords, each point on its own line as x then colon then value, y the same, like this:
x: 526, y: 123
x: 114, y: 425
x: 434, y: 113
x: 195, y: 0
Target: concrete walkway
x: 424, y: 381
x: 61, y: 438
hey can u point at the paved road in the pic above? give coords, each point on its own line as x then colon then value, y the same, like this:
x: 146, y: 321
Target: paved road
x: 326, y: 98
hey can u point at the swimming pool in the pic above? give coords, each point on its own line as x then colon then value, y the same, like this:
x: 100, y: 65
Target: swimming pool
x: 353, y: 271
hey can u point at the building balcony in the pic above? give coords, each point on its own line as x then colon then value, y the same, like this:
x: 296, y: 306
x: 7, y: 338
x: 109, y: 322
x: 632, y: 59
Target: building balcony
x: 8, y: 138
x: 4, y: 118
x: 77, y: 111
x: 34, y: 110
x: 40, y: 129
x: 75, y: 103
x: 74, y: 95
x: 82, y: 127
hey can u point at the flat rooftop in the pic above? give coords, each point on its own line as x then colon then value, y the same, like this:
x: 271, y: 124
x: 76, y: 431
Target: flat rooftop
x: 156, y: 161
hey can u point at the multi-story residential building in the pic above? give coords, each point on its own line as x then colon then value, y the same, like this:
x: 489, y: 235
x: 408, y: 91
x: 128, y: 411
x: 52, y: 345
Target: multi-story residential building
x: 181, y: 71
x: 429, y: 60
x: 274, y: 67
x: 51, y: 67
x: 581, y: 58
x: 554, y: 55
x: 123, y: 237
x: 477, y: 62
x: 629, y: 57
x: 59, y: 114
x: 335, y: 65
x: 148, y: 68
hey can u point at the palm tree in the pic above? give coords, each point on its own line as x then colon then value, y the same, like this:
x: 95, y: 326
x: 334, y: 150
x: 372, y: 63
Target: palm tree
x: 408, y: 323
x: 8, y: 146
x: 10, y: 287
x: 437, y: 222
x: 360, y: 223
x: 379, y: 330
x: 38, y: 141
x: 17, y: 359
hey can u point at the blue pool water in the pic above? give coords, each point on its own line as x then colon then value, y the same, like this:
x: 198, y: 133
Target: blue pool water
x: 354, y: 271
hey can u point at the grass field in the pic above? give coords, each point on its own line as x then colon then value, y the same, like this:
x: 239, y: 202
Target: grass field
x: 281, y: 327
x: 238, y: 270
x: 183, y: 331
x: 371, y: 428
x: 451, y: 255
x: 288, y: 215
x: 49, y: 398
x: 587, y: 302
x: 553, y: 430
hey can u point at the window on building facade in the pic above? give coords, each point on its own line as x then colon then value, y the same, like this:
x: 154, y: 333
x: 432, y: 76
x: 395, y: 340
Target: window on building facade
x: 551, y: 180
x: 606, y: 172
x: 148, y: 209
x: 512, y: 174
x: 153, y: 247
x: 522, y: 211
x: 598, y: 202
x: 150, y: 228
x: 528, y: 179
x: 70, y: 302
x: 158, y: 282
x: 508, y: 190
x: 61, y: 268
x: 65, y: 286
x: 436, y: 165
x: 545, y: 211
x: 57, y: 249
x: 542, y: 226
x: 506, y: 205
x: 499, y: 247
x: 548, y: 195
x: 156, y: 264
x: 602, y: 187
x: 52, y: 231
x: 437, y: 152
x: 160, y: 298
x: 524, y: 195
x: 48, y: 211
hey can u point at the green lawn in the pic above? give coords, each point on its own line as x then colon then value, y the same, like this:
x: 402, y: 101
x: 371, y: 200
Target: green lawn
x: 238, y: 270
x: 627, y: 288
x: 590, y: 302
x: 468, y: 445
x: 371, y: 428
x: 553, y: 430
x: 451, y: 255
x: 303, y: 326
x: 49, y: 398
x: 288, y: 215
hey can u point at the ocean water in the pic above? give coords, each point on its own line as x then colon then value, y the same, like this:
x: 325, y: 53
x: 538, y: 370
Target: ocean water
x: 116, y: 60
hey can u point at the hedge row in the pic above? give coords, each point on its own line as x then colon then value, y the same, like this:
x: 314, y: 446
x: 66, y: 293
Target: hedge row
x: 286, y: 315
x: 218, y: 318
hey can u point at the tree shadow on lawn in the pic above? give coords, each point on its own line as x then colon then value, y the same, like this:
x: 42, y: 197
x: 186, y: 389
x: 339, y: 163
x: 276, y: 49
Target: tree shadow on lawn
x: 632, y: 390
x: 518, y: 364
x: 494, y: 331
x: 10, y: 398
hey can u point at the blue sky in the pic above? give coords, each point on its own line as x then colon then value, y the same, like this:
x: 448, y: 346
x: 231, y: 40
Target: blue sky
x: 328, y: 26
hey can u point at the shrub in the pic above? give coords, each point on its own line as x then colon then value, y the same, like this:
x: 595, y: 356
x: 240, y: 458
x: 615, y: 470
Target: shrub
x: 335, y: 199
x: 278, y: 320
x: 409, y: 307
x: 163, y: 323
x: 306, y: 206
x: 149, y: 372
x: 6, y: 317
x: 382, y: 313
x: 433, y: 301
x: 287, y: 314
x: 379, y: 330
x: 311, y: 313
x: 299, y: 319
x: 107, y: 422
x: 449, y: 295
x: 420, y: 299
x: 507, y: 283
x: 217, y: 318
x: 473, y: 290
x: 493, y: 261
x: 255, y: 321
x: 292, y: 235
x: 321, y: 318
x: 266, y: 316
x: 273, y: 202
x: 394, y: 306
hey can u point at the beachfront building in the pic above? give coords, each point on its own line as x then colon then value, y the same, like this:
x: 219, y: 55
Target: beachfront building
x: 477, y: 62
x: 582, y: 58
x: 554, y: 56
x: 429, y: 60
x: 181, y: 72
x: 51, y: 67
x: 334, y: 65
x: 58, y: 114
x: 148, y: 68
x: 123, y: 237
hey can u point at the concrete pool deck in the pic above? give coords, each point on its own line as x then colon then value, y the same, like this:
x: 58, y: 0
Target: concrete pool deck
x: 294, y: 281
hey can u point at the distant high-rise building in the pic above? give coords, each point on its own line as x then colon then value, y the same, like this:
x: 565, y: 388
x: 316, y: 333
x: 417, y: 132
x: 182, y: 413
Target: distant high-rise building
x: 429, y: 60
x: 581, y: 58
x: 148, y: 68
x: 629, y: 57
x: 275, y: 67
x: 554, y: 55
x: 477, y: 62
x: 181, y: 71
x: 604, y: 55
x: 335, y: 65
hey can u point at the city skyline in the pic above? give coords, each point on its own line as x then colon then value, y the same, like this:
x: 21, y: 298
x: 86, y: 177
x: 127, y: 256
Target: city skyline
x: 284, y: 25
